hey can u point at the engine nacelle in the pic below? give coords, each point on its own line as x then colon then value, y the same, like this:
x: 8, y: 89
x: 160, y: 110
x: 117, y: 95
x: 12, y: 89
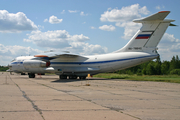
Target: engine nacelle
x: 35, y: 63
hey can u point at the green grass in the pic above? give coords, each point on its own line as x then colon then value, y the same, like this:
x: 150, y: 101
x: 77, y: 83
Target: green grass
x: 156, y: 78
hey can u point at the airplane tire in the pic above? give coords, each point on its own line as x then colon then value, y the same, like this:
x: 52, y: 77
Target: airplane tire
x: 73, y: 77
x: 63, y: 77
x: 31, y: 75
x: 82, y: 77
x: 23, y: 74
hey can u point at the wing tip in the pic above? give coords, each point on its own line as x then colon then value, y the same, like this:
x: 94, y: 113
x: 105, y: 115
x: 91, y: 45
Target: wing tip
x: 163, y: 11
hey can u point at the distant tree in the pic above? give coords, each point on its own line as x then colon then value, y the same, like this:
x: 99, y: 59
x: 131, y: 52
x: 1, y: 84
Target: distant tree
x: 177, y: 62
x: 174, y: 64
x: 144, y: 67
x: 154, y: 67
x: 150, y: 70
x: 175, y: 71
x: 2, y: 68
x: 157, y: 66
x: 165, y: 67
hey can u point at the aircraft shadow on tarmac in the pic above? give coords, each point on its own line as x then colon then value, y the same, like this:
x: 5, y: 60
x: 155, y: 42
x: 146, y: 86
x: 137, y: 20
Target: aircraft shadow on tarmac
x: 76, y: 80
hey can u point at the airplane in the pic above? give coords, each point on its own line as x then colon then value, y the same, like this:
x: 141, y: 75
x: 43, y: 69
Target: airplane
x: 141, y: 48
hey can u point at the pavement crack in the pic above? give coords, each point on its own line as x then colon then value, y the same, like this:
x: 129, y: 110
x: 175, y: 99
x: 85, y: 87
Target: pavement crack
x: 28, y: 99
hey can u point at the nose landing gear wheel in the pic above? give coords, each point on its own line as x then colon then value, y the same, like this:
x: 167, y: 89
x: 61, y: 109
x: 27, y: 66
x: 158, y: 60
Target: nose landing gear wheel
x: 31, y: 75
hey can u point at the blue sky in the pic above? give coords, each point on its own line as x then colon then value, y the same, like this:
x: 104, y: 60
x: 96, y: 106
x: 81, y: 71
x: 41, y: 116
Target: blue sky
x: 79, y: 26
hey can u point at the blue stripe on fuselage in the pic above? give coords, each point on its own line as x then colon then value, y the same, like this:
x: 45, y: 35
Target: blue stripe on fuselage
x: 108, y: 61
x: 17, y: 63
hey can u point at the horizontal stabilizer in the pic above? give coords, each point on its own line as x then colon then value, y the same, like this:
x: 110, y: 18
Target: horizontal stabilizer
x: 155, y: 17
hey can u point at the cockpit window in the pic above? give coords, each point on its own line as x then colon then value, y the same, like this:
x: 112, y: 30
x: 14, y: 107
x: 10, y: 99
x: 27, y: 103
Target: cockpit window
x: 13, y: 60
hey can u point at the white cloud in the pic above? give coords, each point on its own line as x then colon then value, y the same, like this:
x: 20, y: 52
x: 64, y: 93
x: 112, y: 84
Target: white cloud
x: 79, y: 38
x: 109, y: 9
x: 92, y: 27
x: 54, y: 39
x: 169, y: 47
x: 143, y: 10
x: 7, y: 53
x: 63, y: 12
x: 130, y: 28
x: 17, y: 50
x: 86, y: 48
x: 54, y: 20
x: 159, y: 7
x: 10, y: 22
x: 123, y: 17
x: 91, y: 49
x: 58, y: 38
x: 107, y: 28
x: 46, y: 20
x: 124, y: 14
x: 61, y: 40
x: 72, y: 11
x: 82, y: 14
x: 170, y: 38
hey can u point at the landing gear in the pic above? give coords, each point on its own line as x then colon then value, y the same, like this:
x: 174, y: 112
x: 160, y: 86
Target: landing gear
x: 23, y: 73
x: 82, y: 77
x: 63, y: 77
x: 73, y: 77
x: 31, y: 75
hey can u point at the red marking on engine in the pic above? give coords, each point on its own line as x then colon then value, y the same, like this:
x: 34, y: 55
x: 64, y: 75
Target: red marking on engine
x: 48, y: 64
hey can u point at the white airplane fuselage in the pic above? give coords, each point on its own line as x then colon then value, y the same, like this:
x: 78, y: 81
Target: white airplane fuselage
x: 81, y: 66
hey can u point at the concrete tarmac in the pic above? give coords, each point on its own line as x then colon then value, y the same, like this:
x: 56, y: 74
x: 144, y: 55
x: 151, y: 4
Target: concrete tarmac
x: 48, y: 98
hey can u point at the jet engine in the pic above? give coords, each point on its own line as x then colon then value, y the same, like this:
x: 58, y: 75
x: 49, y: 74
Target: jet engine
x: 35, y: 63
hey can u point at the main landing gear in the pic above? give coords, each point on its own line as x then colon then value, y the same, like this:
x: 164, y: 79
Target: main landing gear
x: 31, y: 75
x: 63, y: 77
x: 82, y: 77
x: 72, y: 77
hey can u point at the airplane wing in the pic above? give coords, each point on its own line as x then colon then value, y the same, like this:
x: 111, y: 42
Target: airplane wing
x: 54, y: 55
x: 66, y: 55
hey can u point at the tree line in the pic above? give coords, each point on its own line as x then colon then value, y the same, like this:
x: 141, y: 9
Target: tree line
x: 155, y: 67
x: 2, y: 68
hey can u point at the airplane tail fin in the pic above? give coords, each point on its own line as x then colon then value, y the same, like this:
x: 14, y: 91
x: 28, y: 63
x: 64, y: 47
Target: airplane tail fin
x: 148, y: 37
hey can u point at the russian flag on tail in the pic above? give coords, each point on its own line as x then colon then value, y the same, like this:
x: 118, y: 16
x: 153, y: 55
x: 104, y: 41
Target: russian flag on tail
x: 144, y: 35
